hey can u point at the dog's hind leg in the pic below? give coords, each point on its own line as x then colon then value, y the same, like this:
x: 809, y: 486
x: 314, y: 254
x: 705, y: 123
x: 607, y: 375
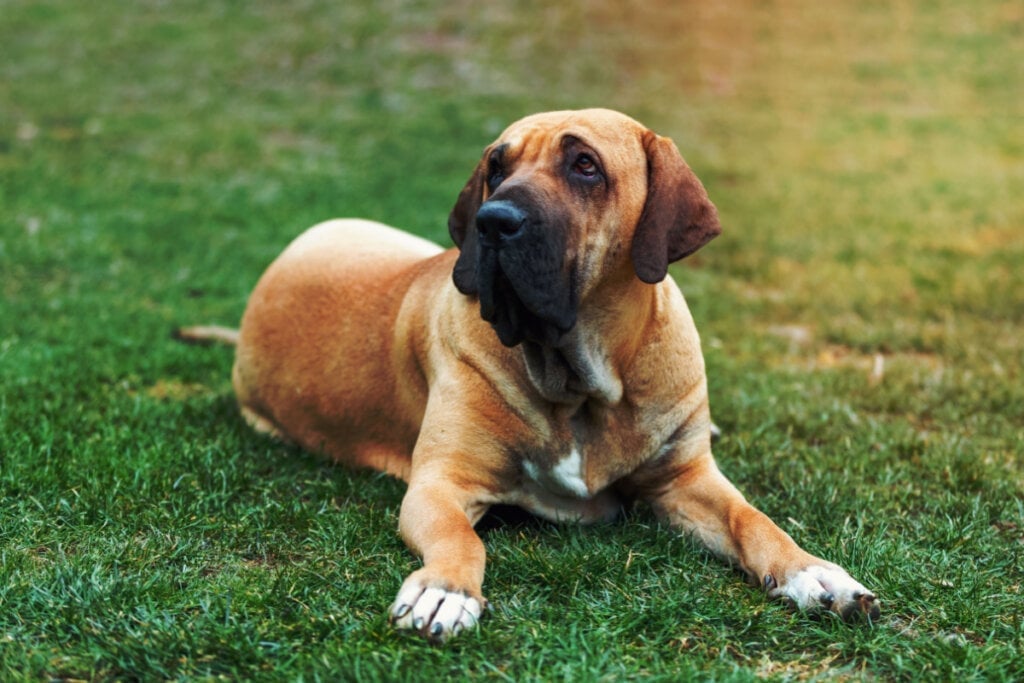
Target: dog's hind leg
x: 262, y: 425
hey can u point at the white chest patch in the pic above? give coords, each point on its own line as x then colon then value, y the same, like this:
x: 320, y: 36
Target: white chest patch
x: 566, y: 477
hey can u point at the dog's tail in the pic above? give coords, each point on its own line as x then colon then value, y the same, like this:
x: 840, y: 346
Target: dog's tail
x: 206, y: 334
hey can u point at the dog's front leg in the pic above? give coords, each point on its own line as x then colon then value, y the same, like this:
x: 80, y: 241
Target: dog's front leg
x: 444, y: 596
x: 697, y: 498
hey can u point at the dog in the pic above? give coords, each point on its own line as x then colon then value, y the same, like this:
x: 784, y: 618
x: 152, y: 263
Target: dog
x: 546, y: 362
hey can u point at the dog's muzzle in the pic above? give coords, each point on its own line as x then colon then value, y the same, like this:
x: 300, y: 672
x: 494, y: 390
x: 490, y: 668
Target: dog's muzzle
x: 525, y: 283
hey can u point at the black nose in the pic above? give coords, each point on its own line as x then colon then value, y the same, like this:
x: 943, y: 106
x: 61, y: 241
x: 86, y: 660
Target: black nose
x: 499, y: 220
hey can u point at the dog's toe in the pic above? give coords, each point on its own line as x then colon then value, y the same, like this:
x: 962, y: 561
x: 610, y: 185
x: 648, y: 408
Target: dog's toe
x: 435, y: 613
x: 456, y: 613
x: 861, y: 603
x: 826, y: 587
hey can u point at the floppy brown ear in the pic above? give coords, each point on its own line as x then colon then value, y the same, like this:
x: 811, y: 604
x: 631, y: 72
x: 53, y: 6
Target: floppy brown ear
x: 678, y: 218
x: 462, y: 228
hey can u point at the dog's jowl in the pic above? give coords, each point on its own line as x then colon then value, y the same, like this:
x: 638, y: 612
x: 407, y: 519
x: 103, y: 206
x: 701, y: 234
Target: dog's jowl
x: 546, y: 362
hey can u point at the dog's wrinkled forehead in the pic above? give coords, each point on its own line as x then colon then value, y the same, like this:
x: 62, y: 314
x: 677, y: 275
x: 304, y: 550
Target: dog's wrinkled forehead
x: 615, y: 136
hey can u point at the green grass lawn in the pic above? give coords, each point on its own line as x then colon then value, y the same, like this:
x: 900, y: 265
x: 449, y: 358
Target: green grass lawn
x: 862, y: 318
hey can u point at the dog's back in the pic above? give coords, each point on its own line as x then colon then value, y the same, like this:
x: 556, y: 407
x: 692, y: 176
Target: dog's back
x: 343, y: 279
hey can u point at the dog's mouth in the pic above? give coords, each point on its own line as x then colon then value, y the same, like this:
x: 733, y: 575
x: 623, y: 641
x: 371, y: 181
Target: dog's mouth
x: 525, y: 298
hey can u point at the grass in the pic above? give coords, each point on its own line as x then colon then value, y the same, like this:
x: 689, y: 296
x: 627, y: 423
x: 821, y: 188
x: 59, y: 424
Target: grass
x: 868, y: 163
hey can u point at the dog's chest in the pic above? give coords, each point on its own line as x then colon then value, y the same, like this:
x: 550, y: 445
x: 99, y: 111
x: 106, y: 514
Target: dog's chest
x: 564, y: 488
x: 586, y: 456
x: 565, y: 477
x: 575, y: 480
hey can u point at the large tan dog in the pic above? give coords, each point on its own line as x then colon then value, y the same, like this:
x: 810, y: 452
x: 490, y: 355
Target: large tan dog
x: 547, y: 362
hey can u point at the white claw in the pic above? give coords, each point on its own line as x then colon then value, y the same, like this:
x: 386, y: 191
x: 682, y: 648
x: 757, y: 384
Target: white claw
x: 823, y: 586
x: 435, y: 612
x: 425, y: 608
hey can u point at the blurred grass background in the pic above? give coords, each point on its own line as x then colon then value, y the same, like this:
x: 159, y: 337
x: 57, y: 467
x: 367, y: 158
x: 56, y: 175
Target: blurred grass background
x: 862, y: 317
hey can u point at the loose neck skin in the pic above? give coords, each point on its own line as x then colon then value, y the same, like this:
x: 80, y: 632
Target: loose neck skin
x: 591, y: 360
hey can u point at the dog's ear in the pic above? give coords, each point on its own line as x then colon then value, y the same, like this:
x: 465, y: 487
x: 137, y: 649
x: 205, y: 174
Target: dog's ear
x: 678, y: 218
x: 462, y: 228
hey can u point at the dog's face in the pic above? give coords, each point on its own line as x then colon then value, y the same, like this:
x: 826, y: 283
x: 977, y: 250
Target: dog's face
x: 563, y: 201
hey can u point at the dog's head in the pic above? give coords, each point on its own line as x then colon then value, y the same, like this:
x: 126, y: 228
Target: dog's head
x: 563, y: 201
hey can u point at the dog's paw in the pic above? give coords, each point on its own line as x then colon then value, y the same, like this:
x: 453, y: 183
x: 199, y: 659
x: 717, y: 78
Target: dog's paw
x: 436, y: 613
x: 824, y: 586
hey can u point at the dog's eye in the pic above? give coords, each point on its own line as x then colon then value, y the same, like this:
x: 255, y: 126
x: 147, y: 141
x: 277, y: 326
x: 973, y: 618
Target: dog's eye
x: 494, y: 177
x: 585, y: 166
